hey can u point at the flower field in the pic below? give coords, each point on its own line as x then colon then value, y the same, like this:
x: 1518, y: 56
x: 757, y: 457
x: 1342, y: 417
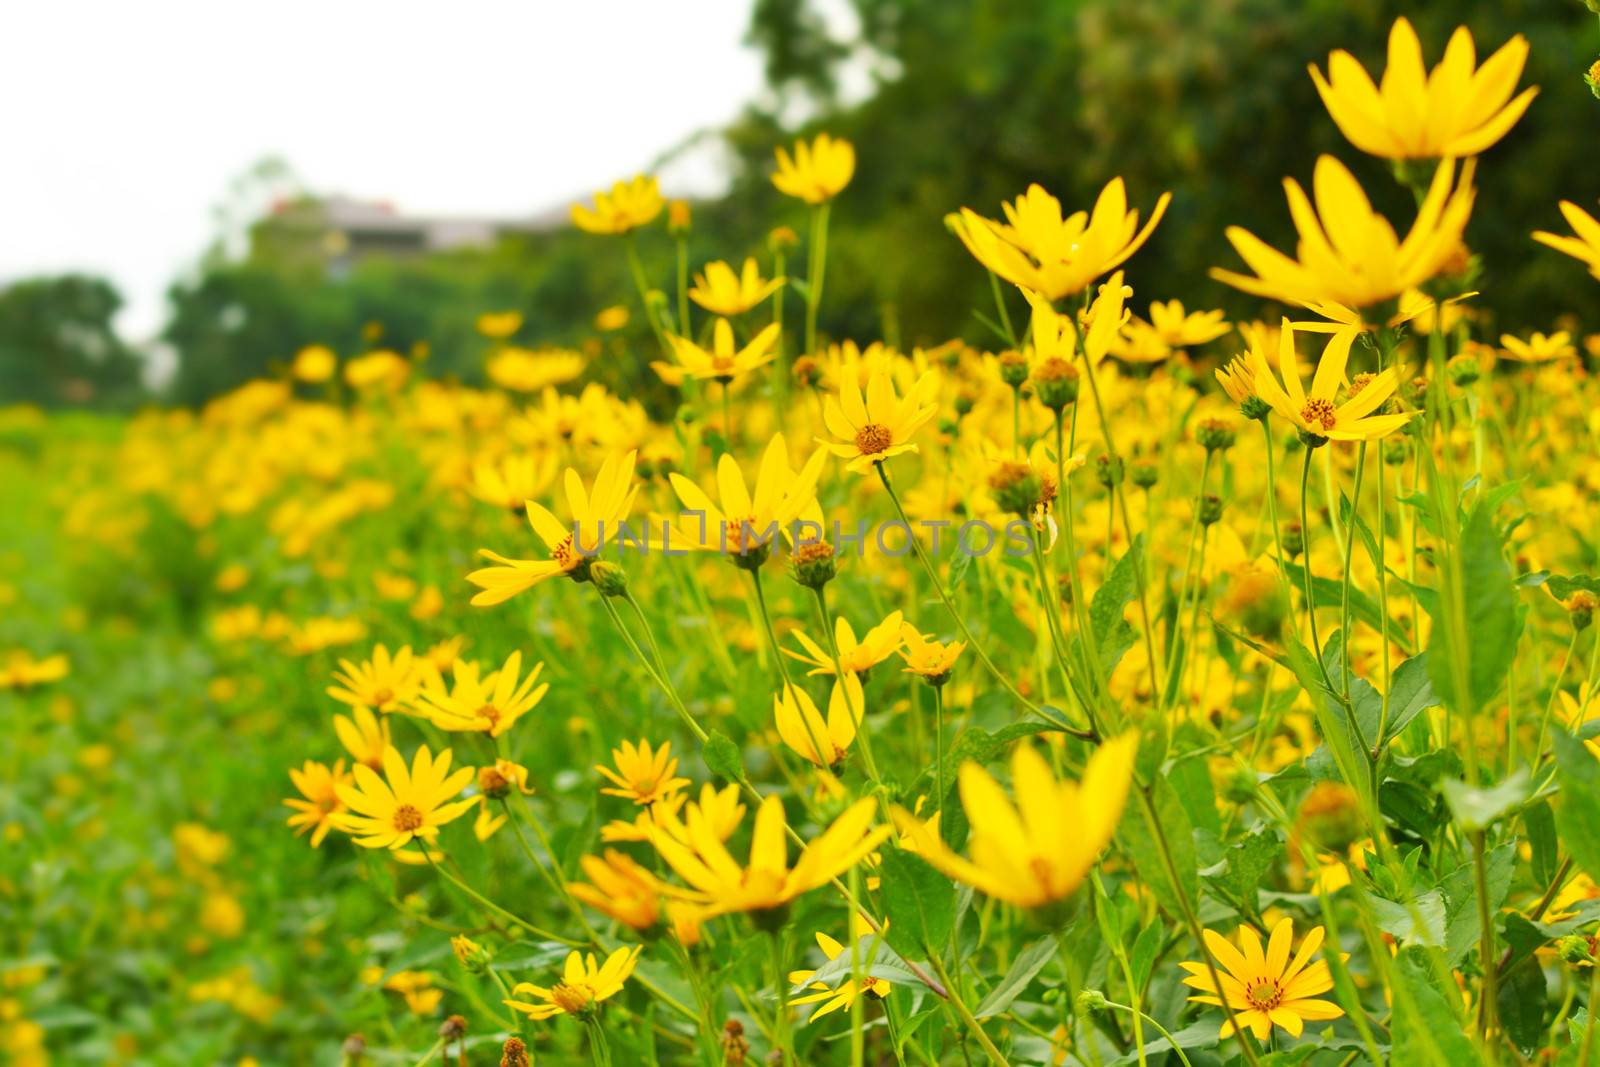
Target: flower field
x: 1118, y: 685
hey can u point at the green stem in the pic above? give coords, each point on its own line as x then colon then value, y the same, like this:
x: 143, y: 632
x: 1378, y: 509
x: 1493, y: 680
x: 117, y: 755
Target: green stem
x: 1305, y: 558
x: 661, y: 680
x: 491, y: 905
x: 816, y: 263
x: 1349, y: 559
x: 965, y: 1013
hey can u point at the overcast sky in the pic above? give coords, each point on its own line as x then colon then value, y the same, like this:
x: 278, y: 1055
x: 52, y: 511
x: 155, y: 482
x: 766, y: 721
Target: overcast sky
x: 125, y: 123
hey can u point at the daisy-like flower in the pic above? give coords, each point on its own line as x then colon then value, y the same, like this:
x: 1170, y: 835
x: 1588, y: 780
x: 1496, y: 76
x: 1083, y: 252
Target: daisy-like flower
x: 832, y: 998
x: 511, y: 480
x: 723, y: 361
x: 621, y: 889
x: 801, y: 726
x: 406, y: 803
x: 1348, y: 255
x: 880, y: 426
x: 722, y: 292
x: 524, y: 371
x: 1538, y: 348
x: 1054, y: 336
x: 1179, y: 329
x: 314, y: 364
x: 928, y: 659
x: 856, y: 657
x: 596, y: 515
x: 318, y: 802
x: 584, y: 984
x: 382, y: 683
x: 643, y: 775
x: 1584, y: 245
x: 1319, y: 412
x: 1238, y: 380
x: 364, y: 735
x: 722, y: 885
x: 1266, y: 989
x: 1040, y: 849
x: 499, y: 325
x: 491, y: 704
x: 624, y: 209
x: 19, y: 670
x: 498, y: 779
x: 746, y: 523
x: 817, y: 172
x: 1038, y: 249
x: 1458, y: 110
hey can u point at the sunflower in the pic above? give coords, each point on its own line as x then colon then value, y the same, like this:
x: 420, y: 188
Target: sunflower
x: 881, y: 426
x: 584, y: 984
x: 490, y: 704
x: 624, y: 209
x: 406, y: 803
x: 1038, y: 249
x: 1455, y: 111
x: 319, y: 801
x: 596, y: 516
x: 1319, y: 413
x: 1266, y: 989
x: 817, y: 172
x: 722, y: 292
x: 643, y: 775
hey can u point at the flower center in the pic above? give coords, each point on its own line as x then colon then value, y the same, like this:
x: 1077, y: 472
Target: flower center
x: 1319, y: 412
x: 564, y: 554
x: 571, y: 998
x: 490, y: 712
x: 872, y: 439
x: 382, y: 696
x: 407, y: 819
x: 1360, y: 382
x: 1264, y: 994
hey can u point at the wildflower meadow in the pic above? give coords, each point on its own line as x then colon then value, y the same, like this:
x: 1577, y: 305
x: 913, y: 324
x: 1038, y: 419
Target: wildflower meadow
x: 1139, y: 684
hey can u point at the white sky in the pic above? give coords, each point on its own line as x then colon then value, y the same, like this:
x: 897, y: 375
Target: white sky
x: 125, y: 123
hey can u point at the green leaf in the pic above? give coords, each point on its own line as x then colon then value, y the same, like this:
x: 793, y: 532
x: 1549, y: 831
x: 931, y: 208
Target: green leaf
x: 1426, y: 1030
x: 920, y: 902
x: 1139, y: 842
x: 1410, y: 694
x: 1521, y: 1001
x: 1142, y: 960
x: 1243, y: 865
x: 1479, y: 807
x: 878, y: 960
x: 1578, y: 814
x: 1467, y: 677
x: 1462, y: 924
x: 1541, y: 824
x: 1029, y: 962
x: 1113, y: 636
x: 1562, y: 586
x: 723, y: 757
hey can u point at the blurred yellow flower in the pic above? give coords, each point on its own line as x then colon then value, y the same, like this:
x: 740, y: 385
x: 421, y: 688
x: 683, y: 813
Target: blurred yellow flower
x: 319, y: 799
x: 383, y: 682
x: 626, y: 207
x: 314, y: 364
x: 722, y: 362
x: 19, y: 670
x: 802, y: 728
x: 1453, y: 112
x: 816, y: 172
x: 499, y: 325
x: 1585, y: 246
x: 722, y: 292
x: 611, y: 319
x: 1538, y: 348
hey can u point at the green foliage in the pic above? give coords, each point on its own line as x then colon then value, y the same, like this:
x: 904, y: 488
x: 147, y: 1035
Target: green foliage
x: 58, y: 344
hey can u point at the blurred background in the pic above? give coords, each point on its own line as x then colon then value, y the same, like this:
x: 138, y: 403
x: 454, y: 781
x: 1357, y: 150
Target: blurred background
x: 195, y: 191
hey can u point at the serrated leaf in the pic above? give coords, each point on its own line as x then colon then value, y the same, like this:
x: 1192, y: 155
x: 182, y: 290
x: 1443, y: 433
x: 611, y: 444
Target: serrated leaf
x: 1578, y: 813
x: 1468, y: 677
x: 1029, y: 962
x: 920, y: 903
x: 1479, y: 807
x: 723, y: 757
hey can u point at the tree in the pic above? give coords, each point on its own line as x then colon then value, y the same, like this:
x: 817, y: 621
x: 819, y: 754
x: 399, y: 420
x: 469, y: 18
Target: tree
x: 58, y: 344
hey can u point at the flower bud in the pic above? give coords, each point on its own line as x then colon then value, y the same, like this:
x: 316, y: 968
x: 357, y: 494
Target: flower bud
x: 1575, y: 948
x: 1013, y: 369
x: 1144, y: 473
x: 1215, y: 435
x: 1017, y: 488
x: 1210, y: 509
x: 514, y: 1053
x: 1090, y: 1001
x: 813, y: 564
x: 1055, y: 382
x: 1464, y: 370
x: 678, y: 217
x: 473, y: 956
x: 807, y: 372
x: 1254, y: 408
x: 1108, y: 470
x: 1592, y: 78
x: 1294, y: 540
x: 609, y: 578
x: 1581, y: 608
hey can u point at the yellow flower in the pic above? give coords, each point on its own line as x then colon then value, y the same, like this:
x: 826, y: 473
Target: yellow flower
x: 314, y: 364
x: 611, y: 319
x: 1238, y: 380
x: 801, y: 726
x: 525, y: 371
x: 1453, y: 112
x: 1538, y: 348
x: 491, y: 704
x: 723, y: 362
x: 498, y: 325
x: 364, y: 735
x: 1042, y: 852
x: 1038, y: 249
x: 1055, y: 336
x: 927, y: 658
x: 1349, y: 256
x: 768, y: 882
x: 514, y: 479
x: 620, y: 888
x: 584, y: 983
x: 417, y: 989
x: 595, y: 517
x: 832, y: 998
x: 497, y: 779
x: 881, y: 425
x: 1319, y: 413
x: 642, y: 775
x: 383, y: 682
x: 817, y: 172
x: 781, y: 497
x: 626, y: 207
x: 486, y: 824
x: 722, y: 292
x: 319, y: 799
x: 1585, y: 246
x: 1178, y: 329
x: 19, y: 670
x: 856, y: 657
x: 1266, y: 989
x: 404, y: 804
x: 382, y: 369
